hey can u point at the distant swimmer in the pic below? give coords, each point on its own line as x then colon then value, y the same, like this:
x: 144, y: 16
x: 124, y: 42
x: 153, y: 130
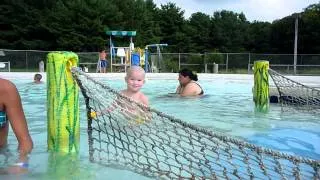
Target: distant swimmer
x: 37, y: 78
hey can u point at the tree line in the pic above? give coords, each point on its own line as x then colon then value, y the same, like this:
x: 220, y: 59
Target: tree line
x: 81, y: 25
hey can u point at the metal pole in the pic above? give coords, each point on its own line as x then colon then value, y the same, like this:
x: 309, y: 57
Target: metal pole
x: 111, y: 50
x: 295, y: 45
x: 249, y: 63
x: 227, y: 62
x: 179, y: 62
x: 146, y: 59
x: 158, y: 64
x: 130, y: 54
x: 204, y: 61
x: 27, y: 61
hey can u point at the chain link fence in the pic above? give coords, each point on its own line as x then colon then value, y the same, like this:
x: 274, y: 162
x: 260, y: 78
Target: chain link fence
x: 235, y: 63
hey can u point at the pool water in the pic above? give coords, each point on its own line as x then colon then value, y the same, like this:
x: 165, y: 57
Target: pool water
x: 227, y: 107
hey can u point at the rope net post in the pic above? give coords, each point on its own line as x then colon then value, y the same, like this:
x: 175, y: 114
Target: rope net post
x: 62, y: 103
x: 261, y: 85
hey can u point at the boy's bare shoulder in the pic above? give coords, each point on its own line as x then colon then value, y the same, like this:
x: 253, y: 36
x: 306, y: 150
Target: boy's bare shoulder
x: 143, y: 95
x: 144, y: 99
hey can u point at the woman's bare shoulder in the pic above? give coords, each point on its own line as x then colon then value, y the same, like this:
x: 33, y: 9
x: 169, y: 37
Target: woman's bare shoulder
x: 7, y: 89
x: 6, y: 85
x: 192, y: 84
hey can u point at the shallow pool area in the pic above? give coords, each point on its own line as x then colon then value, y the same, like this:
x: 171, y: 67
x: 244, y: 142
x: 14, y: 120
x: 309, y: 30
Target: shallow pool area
x: 226, y: 107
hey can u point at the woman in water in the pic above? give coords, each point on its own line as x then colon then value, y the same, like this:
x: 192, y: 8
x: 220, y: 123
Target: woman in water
x: 188, y: 85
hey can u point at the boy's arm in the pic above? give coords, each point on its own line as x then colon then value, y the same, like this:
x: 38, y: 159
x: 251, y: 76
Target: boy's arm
x: 114, y: 105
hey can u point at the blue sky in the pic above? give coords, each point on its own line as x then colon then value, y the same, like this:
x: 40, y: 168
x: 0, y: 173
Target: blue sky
x: 260, y: 10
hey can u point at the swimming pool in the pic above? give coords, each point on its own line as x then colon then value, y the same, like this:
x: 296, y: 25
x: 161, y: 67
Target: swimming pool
x: 227, y: 107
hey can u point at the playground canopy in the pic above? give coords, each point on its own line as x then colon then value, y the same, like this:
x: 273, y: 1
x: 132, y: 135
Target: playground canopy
x: 121, y: 33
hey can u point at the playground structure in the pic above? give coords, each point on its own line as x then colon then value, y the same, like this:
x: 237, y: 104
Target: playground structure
x: 123, y: 52
x: 155, y: 66
x: 129, y: 55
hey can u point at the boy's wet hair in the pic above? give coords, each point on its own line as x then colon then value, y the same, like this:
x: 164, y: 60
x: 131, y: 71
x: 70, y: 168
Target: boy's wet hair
x: 37, y: 77
x: 135, y: 68
x: 186, y: 72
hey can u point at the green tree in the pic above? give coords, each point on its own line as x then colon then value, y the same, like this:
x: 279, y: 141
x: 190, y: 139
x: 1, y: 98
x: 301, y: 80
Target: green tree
x: 282, y: 35
x: 309, y: 34
x: 80, y: 25
x: 229, y: 31
x: 259, y: 37
x: 199, y: 32
x: 19, y: 25
x: 172, y: 25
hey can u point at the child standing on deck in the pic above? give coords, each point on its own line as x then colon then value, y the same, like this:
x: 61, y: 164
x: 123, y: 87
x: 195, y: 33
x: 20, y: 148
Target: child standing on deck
x: 103, y: 61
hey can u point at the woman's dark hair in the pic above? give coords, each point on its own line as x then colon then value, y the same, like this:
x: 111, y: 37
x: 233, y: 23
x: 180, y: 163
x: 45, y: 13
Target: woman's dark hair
x: 187, y: 72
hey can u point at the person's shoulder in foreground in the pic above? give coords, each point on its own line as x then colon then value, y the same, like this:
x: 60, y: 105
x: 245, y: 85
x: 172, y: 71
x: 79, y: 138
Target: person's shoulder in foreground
x: 188, y: 85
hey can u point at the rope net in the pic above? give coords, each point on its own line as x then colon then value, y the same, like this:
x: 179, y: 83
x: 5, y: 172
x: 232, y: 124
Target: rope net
x: 127, y: 135
x: 295, y: 94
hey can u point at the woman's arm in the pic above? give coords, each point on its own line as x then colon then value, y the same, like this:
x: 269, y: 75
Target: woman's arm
x: 178, y: 89
x: 14, y: 110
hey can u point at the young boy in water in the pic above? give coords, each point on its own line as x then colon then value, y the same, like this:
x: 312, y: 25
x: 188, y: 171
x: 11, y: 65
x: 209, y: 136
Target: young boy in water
x: 135, y: 79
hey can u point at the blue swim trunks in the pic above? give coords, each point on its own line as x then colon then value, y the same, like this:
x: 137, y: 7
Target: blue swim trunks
x: 3, y: 119
x: 103, y: 63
